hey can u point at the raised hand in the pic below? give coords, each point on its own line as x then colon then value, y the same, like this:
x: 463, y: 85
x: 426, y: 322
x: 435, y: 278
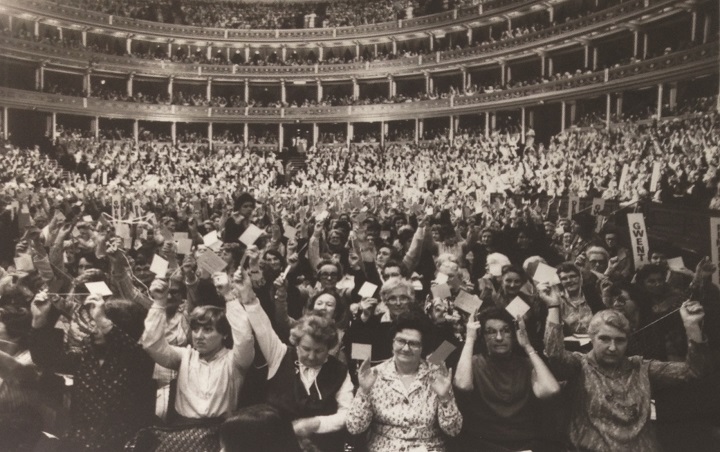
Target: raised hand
x: 705, y: 269
x: 442, y: 382
x: 472, y: 327
x: 40, y: 308
x: 692, y: 313
x: 522, y: 336
x: 548, y: 295
x: 366, y: 376
x: 159, y: 292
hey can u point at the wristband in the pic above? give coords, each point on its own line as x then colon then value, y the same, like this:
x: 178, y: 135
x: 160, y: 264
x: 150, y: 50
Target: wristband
x: 554, y: 306
x: 531, y: 352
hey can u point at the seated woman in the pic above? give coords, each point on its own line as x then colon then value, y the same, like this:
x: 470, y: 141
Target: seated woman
x: 610, y: 392
x: 499, y: 388
x: 113, y: 394
x: 406, y: 402
x: 580, y: 300
x: 211, y: 371
x: 307, y: 384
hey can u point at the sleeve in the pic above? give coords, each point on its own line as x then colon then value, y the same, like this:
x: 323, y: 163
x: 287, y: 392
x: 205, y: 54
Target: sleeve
x: 47, y: 351
x: 121, y: 276
x: 360, y: 414
x: 270, y: 344
x: 344, y: 398
x: 243, y: 351
x: 562, y: 361
x: 695, y: 366
x: 313, y: 252
x: 412, y: 257
x: 154, y: 342
x: 449, y: 417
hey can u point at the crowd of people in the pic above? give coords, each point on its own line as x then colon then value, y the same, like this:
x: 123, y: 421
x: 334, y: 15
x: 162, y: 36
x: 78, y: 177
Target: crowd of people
x: 279, y: 15
x: 381, y: 299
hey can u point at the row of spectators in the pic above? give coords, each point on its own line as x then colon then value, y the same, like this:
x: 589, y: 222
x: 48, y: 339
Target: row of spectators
x: 380, y: 299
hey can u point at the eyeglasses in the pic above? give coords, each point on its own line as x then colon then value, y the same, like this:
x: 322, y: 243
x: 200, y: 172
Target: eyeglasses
x: 328, y: 274
x: 391, y: 275
x: 401, y: 343
x: 505, y: 331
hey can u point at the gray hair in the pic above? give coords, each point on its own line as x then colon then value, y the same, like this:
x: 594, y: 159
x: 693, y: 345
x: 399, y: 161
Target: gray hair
x: 395, y: 282
x: 609, y: 317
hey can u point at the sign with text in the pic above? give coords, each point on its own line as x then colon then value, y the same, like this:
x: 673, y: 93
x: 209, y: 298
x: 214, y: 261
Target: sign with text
x: 715, y: 247
x: 638, y: 238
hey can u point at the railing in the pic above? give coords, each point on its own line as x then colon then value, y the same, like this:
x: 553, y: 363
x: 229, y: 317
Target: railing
x: 101, y: 20
x: 103, y: 62
x: 672, y: 67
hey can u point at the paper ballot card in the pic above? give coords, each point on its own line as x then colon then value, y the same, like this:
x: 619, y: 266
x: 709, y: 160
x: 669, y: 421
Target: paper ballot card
x: 211, y: 262
x: 441, y: 353
x: 210, y: 238
x: 545, y: 273
x: 184, y: 246
x: 467, y: 302
x: 441, y: 278
x: 441, y: 291
x: 251, y: 234
x: 517, y: 307
x: 367, y: 290
x: 361, y: 352
x: 98, y: 288
x: 159, y: 266
x: 290, y: 232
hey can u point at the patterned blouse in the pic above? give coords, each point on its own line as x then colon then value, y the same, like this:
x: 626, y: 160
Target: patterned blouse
x: 611, y: 409
x: 404, y: 419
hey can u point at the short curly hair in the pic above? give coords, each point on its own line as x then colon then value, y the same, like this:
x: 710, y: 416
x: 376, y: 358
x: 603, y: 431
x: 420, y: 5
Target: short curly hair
x: 317, y: 327
x: 215, y: 316
x: 609, y: 317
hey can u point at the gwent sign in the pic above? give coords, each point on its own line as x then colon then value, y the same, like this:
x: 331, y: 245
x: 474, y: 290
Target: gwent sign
x: 715, y: 247
x: 638, y: 239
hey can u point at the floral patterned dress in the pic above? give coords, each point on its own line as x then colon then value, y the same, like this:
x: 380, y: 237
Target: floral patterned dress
x: 404, y: 419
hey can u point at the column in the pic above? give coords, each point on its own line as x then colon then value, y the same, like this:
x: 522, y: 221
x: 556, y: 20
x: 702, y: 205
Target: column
x: 618, y: 105
x: 375, y: 50
x: 210, y: 134
x: 356, y: 89
x: 5, y: 133
x: 693, y: 26
x: 391, y: 86
x: 129, y: 84
x: 542, y: 63
x: 173, y: 132
x: 595, y: 59
x: 551, y: 13
x: 563, y: 107
x: 40, y: 77
x: 283, y: 52
x: 319, y: 90
x: 706, y: 31
x: 509, y: 22
x: 60, y: 33
x: 128, y: 45
x: 350, y: 132
x: 463, y: 74
x: 421, y: 128
x: 171, y: 79
x: 208, y: 89
x: 36, y: 29
x: 417, y: 130
x: 487, y: 124
x: 431, y: 38
x: 659, y: 100
x: 531, y: 119
x: 246, y: 134
x: 502, y: 73
x: 357, y: 49
x: 636, y: 42
x: 87, y: 83
x: 53, y: 120
x: 247, y: 90
x: 281, y: 137
x: 451, y: 129
x: 169, y: 49
x: 136, y: 131
x: 208, y: 51
x: 247, y: 54
x: 83, y: 35
x: 283, y: 91
x: 573, y: 112
x: 551, y: 68
x: 316, y: 133
x: 321, y: 52
x: 428, y: 83
x: 394, y: 46
x: 383, y: 132
x: 672, y: 96
x: 95, y: 127
x: 469, y: 35
x: 586, y: 47
x: 608, y: 104
x: 645, y: 45
x: 493, y: 121
x: 523, y: 125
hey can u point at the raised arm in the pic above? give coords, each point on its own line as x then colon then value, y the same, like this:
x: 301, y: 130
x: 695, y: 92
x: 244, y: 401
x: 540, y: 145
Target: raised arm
x: 122, y: 275
x: 463, y: 374
x: 361, y: 411
x: 544, y: 383
x: 554, y: 339
x: 153, y: 339
x: 696, y: 363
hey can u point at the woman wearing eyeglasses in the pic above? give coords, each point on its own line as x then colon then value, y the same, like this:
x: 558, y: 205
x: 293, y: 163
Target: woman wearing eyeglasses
x: 500, y: 387
x: 406, y: 403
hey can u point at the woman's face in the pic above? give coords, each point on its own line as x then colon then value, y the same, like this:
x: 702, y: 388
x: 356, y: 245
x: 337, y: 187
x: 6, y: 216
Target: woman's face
x: 407, y: 347
x: 273, y: 262
x: 312, y: 353
x: 655, y: 283
x: 570, y: 281
x: 206, y: 340
x: 567, y: 238
x: 226, y: 255
x: 511, y: 283
x: 382, y: 256
x: 329, y: 276
x: 609, y: 345
x: 83, y: 265
x: 498, y: 337
x: 326, y: 305
x: 398, y: 301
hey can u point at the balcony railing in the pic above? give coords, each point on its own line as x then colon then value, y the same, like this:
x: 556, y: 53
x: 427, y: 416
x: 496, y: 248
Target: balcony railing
x: 103, y: 62
x: 101, y: 20
x: 685, y: 64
